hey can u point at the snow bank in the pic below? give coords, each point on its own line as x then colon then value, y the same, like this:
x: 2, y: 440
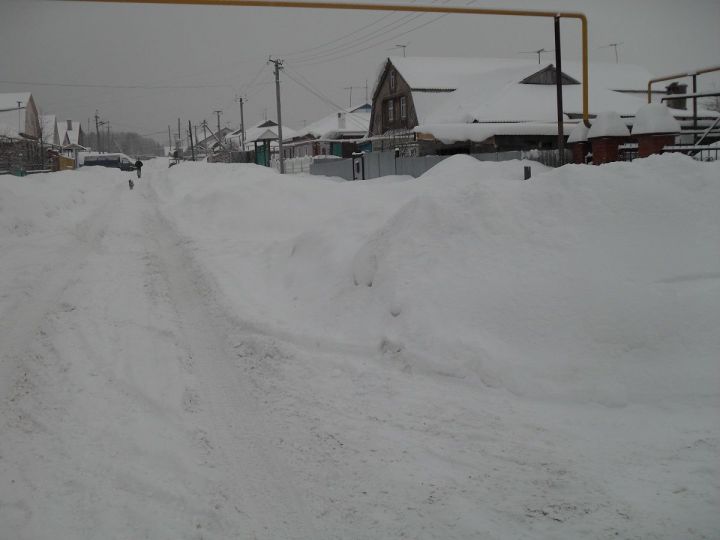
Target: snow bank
x: 587, y: 283
x: 608, y: 124
x: 654, y: 118
x: 47, y: 203
x: 578, y: 134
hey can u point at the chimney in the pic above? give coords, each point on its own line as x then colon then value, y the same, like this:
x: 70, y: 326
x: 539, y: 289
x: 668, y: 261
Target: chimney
x: 676, y: 88
x: 341, y: 120
x: 69, y: 125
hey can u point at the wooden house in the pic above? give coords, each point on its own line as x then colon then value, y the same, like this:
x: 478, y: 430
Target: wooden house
x: 334, y: 135
x: 455, y: 105
x: 19, y: 116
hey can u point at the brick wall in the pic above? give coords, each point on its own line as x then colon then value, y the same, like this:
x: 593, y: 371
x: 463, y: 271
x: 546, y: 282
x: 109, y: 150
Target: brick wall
x: 653, y: 144
x: 605, y: 149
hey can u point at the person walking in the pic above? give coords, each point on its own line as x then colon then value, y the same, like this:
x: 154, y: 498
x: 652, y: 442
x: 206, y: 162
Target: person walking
x: 138, y: 167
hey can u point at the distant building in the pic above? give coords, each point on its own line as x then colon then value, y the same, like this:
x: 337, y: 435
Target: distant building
x: 334, y: 135
x: 262, y: 139
x: 49, y: 129
x: 19, y: 116
x: 71, y: 134
x: 454, y: 105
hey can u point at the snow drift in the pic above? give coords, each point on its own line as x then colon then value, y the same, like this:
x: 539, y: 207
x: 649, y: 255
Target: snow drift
x: 587, y: 283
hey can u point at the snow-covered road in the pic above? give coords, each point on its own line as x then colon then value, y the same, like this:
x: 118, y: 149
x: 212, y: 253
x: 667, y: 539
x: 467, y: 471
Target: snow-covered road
x: 139, y: 400
x: 140, y: 421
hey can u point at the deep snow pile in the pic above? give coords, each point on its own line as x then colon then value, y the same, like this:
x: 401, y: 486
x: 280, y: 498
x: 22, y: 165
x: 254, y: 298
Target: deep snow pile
x: 37, y: 214
x: 227, y: 352
x: 589, y: 283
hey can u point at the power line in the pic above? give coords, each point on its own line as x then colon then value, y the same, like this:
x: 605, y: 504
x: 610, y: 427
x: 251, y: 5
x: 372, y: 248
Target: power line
x: 317, y: 93
x: 363, y: 39
x: 344, y: 36
x: 315, y: 60
x: 119, y: 86
x: 381, y: 42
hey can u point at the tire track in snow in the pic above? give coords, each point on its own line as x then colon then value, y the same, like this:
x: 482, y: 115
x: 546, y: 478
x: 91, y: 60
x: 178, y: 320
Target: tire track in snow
x: 234, y: 430
x: 20, y: 323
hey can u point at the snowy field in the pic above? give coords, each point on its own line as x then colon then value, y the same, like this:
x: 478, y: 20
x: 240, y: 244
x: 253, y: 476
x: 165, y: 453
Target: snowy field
x: 227, y: 353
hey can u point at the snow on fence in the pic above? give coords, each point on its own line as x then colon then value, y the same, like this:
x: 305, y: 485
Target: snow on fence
x: 293, y: 165
x: 377, y: 164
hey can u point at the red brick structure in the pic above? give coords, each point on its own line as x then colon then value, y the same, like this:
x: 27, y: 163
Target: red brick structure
x: 606, y: 134
x: 579, y: 150
x: 650, y: 144
x: 654, y: 129
x: 605, y: 149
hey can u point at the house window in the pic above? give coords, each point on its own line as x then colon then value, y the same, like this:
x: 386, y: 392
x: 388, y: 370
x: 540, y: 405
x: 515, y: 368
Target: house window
x: 392, y: 80
x: 403, y: 108
x: 390, y: 110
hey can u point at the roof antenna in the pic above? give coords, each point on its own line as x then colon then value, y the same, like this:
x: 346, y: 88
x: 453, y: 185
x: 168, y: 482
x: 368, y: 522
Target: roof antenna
x: 614, y: 46
x: 538, y: 52
x: 403, y: 47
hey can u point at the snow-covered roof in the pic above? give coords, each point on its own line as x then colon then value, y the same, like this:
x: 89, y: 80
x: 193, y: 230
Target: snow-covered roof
x: 654, y: 118
x: 436, y: 73
x: 608, y: 124
x: 262, y: 131
x: 69, y: 136
x: 450, y: 73
x: 48, y: 126
x: 9, y: 130
x: 356, y: 123
x: 14, y: 122
x: 10, y: 100
x: 579, y: 133
x: 450, y: 133
x: 62, y: 129
x: 499, y: 97
x: 467, y: 90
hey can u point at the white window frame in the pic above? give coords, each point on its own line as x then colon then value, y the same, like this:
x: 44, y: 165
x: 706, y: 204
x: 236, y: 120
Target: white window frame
x: 391, y: 110
x: 403, y: 108
x: 392, y: 80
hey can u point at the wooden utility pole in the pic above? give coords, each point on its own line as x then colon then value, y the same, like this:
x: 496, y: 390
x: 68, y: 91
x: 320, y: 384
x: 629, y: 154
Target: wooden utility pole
x: 278, y: 66
x: 242, y: 122
x: 192, y: 147
x: 169, y: 139
x: 218, y: 113
x: 103, y: 123
x: 558, y: 87
x: 97, y: 130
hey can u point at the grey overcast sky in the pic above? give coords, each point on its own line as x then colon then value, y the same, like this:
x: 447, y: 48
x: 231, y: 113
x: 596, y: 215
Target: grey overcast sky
x: 204, y: 56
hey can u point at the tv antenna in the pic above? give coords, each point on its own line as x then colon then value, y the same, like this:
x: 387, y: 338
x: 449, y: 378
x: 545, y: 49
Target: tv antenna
x: 539, y: 52
x: 403, y: 47
x: 614, y: 46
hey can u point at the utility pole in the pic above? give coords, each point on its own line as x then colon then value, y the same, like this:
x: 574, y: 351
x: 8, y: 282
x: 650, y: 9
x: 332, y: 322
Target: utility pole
x: 558, y: 87
x: 278, y: 66
x: 366, y: 91
x: 614, y: 46
x: 240, y: 100
x: 351, y: 89
x: 97, y: 130
x: 169, y: 139
x: 218, y: 113
x: 20, y: 129
x: 192, y: 147
x: 103, y: 123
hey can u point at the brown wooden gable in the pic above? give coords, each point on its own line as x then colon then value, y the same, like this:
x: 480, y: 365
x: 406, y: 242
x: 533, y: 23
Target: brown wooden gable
x: 379, y: 121
x: 547, y: 76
